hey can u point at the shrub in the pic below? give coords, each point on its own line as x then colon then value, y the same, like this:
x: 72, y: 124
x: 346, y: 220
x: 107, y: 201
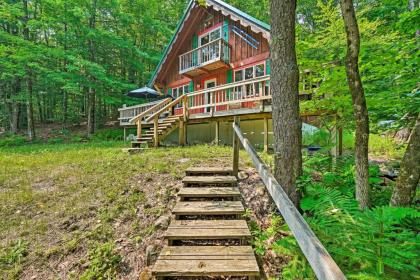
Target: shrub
x: 104, y: 262
x: 10, y: 140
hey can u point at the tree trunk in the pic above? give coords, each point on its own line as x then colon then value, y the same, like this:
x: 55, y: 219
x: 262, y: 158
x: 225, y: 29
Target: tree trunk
x: 359, y: 103
x: 409, y: 175
x: 92, y: 91
x: 30, y: 108
x: 287, y: 125
x: 14, y: 107
x: 29, y: 83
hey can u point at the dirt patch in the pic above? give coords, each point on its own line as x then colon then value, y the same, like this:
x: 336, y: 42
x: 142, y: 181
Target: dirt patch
x: 258, y: 200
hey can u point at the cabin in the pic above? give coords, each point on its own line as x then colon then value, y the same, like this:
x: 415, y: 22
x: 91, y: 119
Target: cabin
x: 215, y: 67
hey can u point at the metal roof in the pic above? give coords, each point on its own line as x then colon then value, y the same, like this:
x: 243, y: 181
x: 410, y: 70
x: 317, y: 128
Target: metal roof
x: 266, y: 27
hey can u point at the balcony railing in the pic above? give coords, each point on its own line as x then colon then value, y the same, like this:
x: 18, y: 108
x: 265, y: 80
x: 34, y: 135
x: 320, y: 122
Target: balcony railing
x: 210, y: 56
x: 239, y: 95
x: 127, y: 113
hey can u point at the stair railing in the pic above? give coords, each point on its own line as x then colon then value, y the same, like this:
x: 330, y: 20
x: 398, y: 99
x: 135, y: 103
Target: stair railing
x: 318, y: 257
x: 155, y: 116
x: 139, y: 118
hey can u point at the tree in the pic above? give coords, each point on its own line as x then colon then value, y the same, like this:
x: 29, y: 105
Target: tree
x: 287, y: 125
x: 409, y: 175
x: 360, y: 111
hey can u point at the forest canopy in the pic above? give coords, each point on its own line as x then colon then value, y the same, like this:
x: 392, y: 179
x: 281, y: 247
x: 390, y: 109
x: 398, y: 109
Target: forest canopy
x: 55, y: 54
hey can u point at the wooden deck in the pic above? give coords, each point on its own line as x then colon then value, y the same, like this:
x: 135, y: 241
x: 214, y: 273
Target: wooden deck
x: 219, y: 260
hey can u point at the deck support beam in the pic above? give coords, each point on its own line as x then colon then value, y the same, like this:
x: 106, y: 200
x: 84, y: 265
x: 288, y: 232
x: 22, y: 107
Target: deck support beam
x: 217, y: 138
x: 139, y: 132
x: 235, y: 168
x: 156, y: 131
x: 125, y: 134
x: 266, y: 135
x: 181, y: 133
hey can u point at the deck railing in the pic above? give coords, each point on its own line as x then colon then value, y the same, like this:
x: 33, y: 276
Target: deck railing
x: 217, y: 50
x: 230, y: 96
x: 318, y: 257
x: 127, y: 113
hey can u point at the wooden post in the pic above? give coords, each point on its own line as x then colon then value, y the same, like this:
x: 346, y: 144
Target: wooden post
x: 235, y: 168
x: 125, y: 134
x: 266, y: 135
x: 181, y: 133
x: 217, y: 140
x: 185, y: 107
x: 340, y: 141
x: 139, y: 132
x: 156, y: 131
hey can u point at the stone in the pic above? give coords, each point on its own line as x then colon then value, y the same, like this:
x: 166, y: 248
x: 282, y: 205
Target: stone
x: 146, y: 274
x: 242, y: 175
x: 260, y: 191
x: 151, y: 254
x: 162, y: 222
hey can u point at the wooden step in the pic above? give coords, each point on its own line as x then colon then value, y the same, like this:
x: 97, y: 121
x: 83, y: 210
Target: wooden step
x: 145, y: 138
x: 203, y: 192
x: 209, y: 180
x: 200, y: 171
x: 193, y: 208
x: 189, y: 261
x: 208, y: 229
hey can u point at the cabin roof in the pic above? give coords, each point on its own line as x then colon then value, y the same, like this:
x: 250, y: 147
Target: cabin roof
x: 226, y: 9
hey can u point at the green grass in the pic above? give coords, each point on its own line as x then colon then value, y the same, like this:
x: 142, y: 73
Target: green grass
x: 67, y: 205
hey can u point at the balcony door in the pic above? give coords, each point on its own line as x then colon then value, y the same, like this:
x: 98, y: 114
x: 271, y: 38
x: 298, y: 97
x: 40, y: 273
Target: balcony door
x: 210, y: 51
x: 207, y: 97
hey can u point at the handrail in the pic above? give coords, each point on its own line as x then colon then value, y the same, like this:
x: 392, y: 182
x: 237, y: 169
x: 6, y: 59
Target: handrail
x: 170, y: 105
x: 149, y: 110
x: 320, y: 260
x: 231, y: 85
x: 138, y: 106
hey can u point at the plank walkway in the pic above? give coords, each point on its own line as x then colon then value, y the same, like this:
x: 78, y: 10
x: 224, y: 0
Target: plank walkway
x: 208, y: 209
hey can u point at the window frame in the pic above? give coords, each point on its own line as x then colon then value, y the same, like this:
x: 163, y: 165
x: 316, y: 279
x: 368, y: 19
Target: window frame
x: 208, y: 32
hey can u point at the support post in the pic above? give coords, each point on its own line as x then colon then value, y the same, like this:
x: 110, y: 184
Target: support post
x: 236, y: 121
x: 125, y: 134
x: 266, y: 135
x: 340, y: 141
x: 156, y: 131
x: 217, y: 139
x: 139, y: 132
x: 181, y: 133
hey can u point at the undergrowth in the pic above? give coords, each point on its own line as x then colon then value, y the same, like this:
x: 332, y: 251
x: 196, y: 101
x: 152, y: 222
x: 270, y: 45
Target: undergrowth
x: 379, y: 243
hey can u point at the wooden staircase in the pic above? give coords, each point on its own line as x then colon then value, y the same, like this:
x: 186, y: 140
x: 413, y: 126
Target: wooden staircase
x: 208, y: 236
x: 165, y: 126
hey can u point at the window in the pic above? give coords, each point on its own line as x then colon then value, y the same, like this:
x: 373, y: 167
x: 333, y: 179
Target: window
x: 259, y: 70
x: 210, y: 36
x: 239, y: 76
x: 249, y: 73
x: 179, y: 91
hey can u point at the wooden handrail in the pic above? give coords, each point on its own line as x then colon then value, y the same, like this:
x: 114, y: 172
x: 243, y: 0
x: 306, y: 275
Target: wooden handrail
x: 320, y: 260
x: 167, y: 107
x: 231, y: 85
x: 149, y: 110
x: 137, y: 106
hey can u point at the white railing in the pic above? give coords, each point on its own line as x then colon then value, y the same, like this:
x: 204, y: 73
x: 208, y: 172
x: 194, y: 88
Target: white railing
x: 127, y: 113
x: 217, y: 50
x: 229, y: 96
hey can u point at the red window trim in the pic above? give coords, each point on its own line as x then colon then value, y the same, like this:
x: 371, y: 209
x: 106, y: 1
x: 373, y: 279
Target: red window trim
x: 179, y: 83
x: 209, y: 29
x: 251, y: 65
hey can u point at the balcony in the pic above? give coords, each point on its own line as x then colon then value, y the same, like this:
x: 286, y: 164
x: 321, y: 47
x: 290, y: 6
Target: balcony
x: 204, y: 59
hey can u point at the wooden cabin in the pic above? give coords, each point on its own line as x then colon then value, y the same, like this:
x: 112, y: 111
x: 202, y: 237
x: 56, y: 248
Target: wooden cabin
x: 215, y: 67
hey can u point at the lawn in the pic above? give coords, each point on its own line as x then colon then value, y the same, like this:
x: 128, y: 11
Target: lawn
x: 71, y: 211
